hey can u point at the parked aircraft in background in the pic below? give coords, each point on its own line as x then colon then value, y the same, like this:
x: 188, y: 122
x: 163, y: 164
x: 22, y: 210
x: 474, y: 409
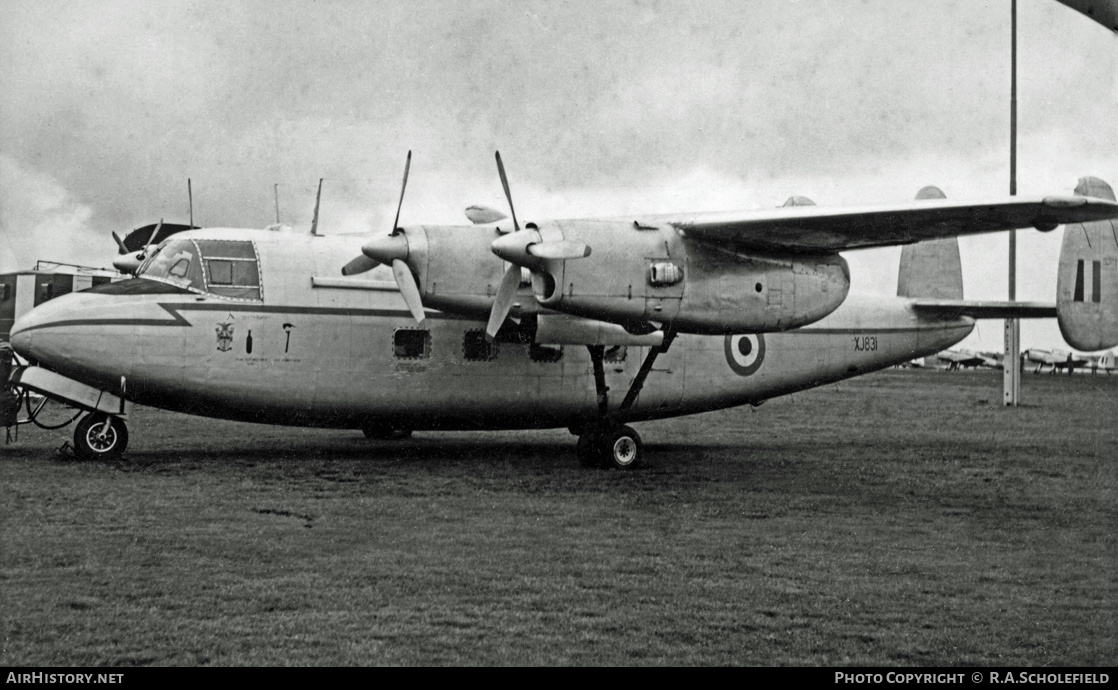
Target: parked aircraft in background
x: 585, y: 324
x: 964, y: 359
x: 1106, y: 362
x: 1057, y: 359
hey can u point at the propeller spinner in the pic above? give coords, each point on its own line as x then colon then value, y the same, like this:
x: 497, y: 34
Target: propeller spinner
x: 129, y: 262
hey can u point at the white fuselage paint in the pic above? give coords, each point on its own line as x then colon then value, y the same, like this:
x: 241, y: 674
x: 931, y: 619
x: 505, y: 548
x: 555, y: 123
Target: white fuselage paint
x: 324, y: 356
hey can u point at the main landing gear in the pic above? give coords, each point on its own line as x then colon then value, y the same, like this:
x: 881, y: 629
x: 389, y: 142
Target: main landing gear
x: 100, y: 435
x: 617, y: 448
x: 606, y: 442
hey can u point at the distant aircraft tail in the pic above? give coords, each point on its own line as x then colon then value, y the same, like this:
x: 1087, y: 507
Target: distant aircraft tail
x: 1087, y: 283
x: 931, y: 268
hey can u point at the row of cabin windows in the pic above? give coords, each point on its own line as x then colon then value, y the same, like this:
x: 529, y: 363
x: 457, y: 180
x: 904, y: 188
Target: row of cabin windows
x: 410, y: 343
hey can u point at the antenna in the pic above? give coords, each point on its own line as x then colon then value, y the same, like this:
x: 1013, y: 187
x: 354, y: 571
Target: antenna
x: 190, y: 197
x: 276, y: 187
x: 317, y: 199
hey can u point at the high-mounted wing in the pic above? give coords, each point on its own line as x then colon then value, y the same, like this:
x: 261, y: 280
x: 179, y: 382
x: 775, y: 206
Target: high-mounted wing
x: 815, y: 229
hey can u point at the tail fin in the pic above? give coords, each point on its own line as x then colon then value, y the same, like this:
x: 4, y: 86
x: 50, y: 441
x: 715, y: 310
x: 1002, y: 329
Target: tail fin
x: 931, y: 268
x: 1087, y: 283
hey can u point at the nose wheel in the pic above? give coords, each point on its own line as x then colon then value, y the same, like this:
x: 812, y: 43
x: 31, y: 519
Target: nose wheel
x: 100, y: 435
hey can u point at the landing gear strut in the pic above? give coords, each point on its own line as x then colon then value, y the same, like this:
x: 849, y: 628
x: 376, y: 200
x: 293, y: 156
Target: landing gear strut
x: 607, y: 443
x: 100, y: 435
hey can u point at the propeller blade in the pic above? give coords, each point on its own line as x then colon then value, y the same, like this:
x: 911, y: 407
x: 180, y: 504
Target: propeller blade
x: 563, y: 249
x: 396, y: 223
x: 508, y: 194
x: 153, y: 234
x: 502, y: 303
x: 120, y: 243
x: 408, y: 289
x: 359, y: 265
x: 317, y: 200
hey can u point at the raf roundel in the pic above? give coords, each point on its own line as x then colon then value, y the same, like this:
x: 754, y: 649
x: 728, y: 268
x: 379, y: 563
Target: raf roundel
x: 745, y: 353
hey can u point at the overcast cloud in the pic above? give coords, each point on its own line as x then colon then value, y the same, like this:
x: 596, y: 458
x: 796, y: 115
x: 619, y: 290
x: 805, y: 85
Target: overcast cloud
x: 598, y: 108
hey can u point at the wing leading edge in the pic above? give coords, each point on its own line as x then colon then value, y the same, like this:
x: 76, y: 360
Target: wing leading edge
x: 802, y: 229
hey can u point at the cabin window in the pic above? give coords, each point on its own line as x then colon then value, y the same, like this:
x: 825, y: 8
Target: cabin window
x: 411, y: 344
x: 5, y: 292
x: 175, y: 262
x: 231, y: 269
x: 477, y: 348
x: 545, y: 353
x: 225, y: 268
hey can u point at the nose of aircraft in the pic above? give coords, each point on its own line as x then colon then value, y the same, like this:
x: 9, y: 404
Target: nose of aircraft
x: 63, y: 335
x: 24, y: 328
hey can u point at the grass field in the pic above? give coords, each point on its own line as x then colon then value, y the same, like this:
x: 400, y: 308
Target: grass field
x: 903, y: 518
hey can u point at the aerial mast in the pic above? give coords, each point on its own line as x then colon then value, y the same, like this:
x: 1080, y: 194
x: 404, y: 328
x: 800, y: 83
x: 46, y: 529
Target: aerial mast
x: 1011, y: 366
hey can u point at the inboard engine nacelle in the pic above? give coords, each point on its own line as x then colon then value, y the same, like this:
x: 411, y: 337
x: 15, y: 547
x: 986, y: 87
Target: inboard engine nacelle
x: 645, y: 278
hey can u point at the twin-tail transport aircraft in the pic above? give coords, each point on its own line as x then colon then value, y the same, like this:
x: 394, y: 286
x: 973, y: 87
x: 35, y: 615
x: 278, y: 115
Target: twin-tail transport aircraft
x: 586, y: 324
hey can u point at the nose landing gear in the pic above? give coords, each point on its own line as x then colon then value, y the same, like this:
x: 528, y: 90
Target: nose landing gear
x: 100, y: 435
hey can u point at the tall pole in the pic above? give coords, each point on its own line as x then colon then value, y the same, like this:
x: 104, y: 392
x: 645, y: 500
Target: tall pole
x: 1011, y: 364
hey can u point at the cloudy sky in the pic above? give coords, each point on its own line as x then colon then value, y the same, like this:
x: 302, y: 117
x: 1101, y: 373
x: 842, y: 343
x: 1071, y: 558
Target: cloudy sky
x: 107, y: 107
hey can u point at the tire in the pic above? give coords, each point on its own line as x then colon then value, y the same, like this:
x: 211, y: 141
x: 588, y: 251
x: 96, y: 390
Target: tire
x: 99, y: 435
x: 622, y: 449
x: 386, y: 433
x: 590, y: 450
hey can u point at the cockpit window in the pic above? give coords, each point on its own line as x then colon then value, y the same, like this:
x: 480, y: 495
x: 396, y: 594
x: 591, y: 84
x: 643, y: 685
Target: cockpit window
x: 223, y: 268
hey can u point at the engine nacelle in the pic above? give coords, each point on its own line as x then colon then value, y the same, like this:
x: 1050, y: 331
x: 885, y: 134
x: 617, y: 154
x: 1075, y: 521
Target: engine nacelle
x: 644, y: 277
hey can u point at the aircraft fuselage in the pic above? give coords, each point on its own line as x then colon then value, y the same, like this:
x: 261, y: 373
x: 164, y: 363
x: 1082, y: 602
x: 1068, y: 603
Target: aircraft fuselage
x: 309, y: 348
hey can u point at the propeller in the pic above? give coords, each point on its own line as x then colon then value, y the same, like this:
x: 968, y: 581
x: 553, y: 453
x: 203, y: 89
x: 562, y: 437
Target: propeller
x: 502, y: 303
x: 510, y: 281
x: 523, y: 248
x: 129, y: 262
x: 392, y: 249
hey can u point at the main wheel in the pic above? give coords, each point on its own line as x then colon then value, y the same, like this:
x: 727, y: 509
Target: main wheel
x: 386, y: 433
x: 99, y: 435
x: 621, y: 448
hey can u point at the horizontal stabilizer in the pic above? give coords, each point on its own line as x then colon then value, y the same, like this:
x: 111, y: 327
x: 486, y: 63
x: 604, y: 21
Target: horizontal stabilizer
x: 953, y: 308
